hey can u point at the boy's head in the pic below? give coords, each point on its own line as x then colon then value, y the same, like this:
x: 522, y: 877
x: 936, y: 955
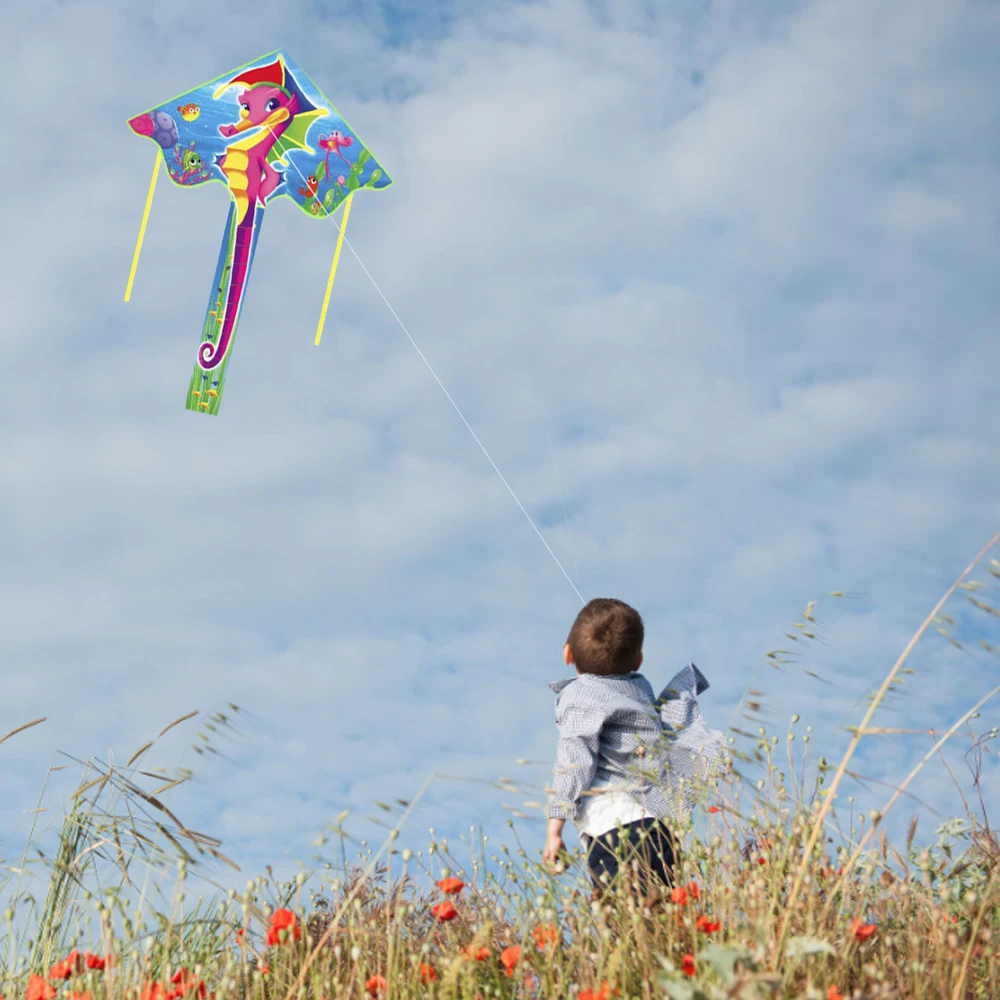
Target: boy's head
x: 606, y: 639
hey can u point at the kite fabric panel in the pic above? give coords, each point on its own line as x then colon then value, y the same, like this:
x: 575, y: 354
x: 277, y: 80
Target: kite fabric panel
x: 264, y: 131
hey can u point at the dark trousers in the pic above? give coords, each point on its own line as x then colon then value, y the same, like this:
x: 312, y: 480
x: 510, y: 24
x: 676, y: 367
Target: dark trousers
x: 647, y: 839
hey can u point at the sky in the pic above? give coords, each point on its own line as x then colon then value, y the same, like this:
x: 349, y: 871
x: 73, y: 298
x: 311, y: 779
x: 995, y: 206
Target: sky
x: 714, y: 286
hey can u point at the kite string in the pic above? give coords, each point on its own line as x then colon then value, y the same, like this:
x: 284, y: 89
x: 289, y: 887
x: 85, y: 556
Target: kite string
x: 402, y: 326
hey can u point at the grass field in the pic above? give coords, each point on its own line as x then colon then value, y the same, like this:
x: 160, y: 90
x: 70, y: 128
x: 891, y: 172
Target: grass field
x: 760, y: 909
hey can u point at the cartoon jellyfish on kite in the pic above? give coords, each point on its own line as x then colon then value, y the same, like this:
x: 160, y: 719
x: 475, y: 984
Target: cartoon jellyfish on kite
x: 239, y: 129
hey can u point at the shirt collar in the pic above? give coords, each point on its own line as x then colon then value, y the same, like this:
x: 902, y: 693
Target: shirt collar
x: 557, y: 686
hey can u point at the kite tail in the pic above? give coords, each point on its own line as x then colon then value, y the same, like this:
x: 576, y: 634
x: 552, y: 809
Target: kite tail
x: 239, y: 250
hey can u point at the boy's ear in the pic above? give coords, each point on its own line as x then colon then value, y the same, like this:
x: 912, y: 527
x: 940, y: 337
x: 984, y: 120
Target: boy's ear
x: 567, y: 655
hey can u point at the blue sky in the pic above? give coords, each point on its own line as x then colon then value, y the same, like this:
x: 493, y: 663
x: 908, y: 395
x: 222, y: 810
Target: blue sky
x: 715, y: 289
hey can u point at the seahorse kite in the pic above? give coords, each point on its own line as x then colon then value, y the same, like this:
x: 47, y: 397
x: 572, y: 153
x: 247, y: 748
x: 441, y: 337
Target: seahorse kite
x: 277, y: 107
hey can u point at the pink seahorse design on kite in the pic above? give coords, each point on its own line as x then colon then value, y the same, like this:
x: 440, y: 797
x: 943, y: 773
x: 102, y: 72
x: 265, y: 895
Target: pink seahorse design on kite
x: 271, y: 105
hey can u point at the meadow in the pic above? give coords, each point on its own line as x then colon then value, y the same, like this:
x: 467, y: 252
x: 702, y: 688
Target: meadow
x: 763, y: 906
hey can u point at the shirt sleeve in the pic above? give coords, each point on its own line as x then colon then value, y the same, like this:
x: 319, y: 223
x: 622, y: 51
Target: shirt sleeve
x: 579, y: 723
x: 694, y: 749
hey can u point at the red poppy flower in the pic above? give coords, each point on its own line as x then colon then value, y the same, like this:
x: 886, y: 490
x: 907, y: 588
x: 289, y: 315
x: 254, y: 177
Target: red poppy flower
x: 604, y: 993
x: 444, y: 911
x: 263, y: 968
x: 69, y: 966
x: 862, y: 931
x: 283, y: 920
x: 375, y: 985
x: 762, y: 860
x: 427, y: 972
x: 692, y: 889
x: 186, y: 983
x: 707, y: 925
x: 39, y: 989
x: 545, y: 934
x: 95, y: 961
x: 832, y: 994
x: 86, y: 995
x: 480, y: 955
x: 679, y: 896
x: 450, y: 886
x: 687, y: 965
x: 150, y: 991
x: 714, y: 809
x: 509, y: 957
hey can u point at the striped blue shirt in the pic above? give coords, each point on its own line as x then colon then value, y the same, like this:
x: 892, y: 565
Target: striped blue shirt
x: 613, y: 730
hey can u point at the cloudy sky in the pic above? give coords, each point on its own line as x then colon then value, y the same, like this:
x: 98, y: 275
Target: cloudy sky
x: 714, y: 283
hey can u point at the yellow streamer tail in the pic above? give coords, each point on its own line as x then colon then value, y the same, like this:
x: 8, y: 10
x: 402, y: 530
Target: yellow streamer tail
x: 333, y: 269
x: 142, y: 227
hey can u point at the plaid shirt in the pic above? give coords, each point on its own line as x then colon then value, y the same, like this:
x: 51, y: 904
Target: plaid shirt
x: 611, y: 729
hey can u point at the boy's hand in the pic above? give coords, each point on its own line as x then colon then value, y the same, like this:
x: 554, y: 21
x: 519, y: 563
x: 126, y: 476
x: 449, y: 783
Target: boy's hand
x: 554, y: 846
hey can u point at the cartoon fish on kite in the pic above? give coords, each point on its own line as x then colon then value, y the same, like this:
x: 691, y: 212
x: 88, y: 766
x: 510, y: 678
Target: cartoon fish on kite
x: 238, y: 129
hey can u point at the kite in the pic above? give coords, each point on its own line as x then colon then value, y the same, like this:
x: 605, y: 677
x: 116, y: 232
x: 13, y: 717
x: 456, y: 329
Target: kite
x: 238, y: 129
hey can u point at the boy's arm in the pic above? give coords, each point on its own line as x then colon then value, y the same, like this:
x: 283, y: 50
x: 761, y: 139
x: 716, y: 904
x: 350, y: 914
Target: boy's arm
x: 695, y: 752
x: 579, y: 725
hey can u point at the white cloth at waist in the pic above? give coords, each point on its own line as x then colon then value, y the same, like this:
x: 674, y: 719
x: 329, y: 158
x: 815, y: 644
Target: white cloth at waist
x: 603, y: 812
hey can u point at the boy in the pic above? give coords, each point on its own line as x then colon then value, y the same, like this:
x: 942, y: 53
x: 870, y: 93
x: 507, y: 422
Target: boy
x: 620, y: 753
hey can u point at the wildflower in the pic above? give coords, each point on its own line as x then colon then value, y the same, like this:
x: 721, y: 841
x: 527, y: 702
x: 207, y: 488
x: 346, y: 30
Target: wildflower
x: 679, y: 896
x: 862, y: 931
x: 150, y: 991
x: 687, y: 965
x: 70, y: 965
x: 186, y: 983
x: 604, y: 993
x: 375, y: 985
x: 427, y: 972
x: 204, y: 406
x: 263, y: 968
x: 832, y: 994
x: 545, y: 934
x: 212, y: 392
x: 509, y: 957
x: 444, y: 911
x: 195, y: 392
x: 707, y: 925
x: 714, y: 809
x: 451, y: 886
x: 39, y: 989
x: 762, y: 860
x: 283, y: 920
x: 86, y: 995
x: 480, y: 955
x: 692, y: 889
x: 95, y: 961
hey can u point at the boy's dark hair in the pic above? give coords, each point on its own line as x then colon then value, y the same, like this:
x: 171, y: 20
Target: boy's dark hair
x: 606, y: 638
